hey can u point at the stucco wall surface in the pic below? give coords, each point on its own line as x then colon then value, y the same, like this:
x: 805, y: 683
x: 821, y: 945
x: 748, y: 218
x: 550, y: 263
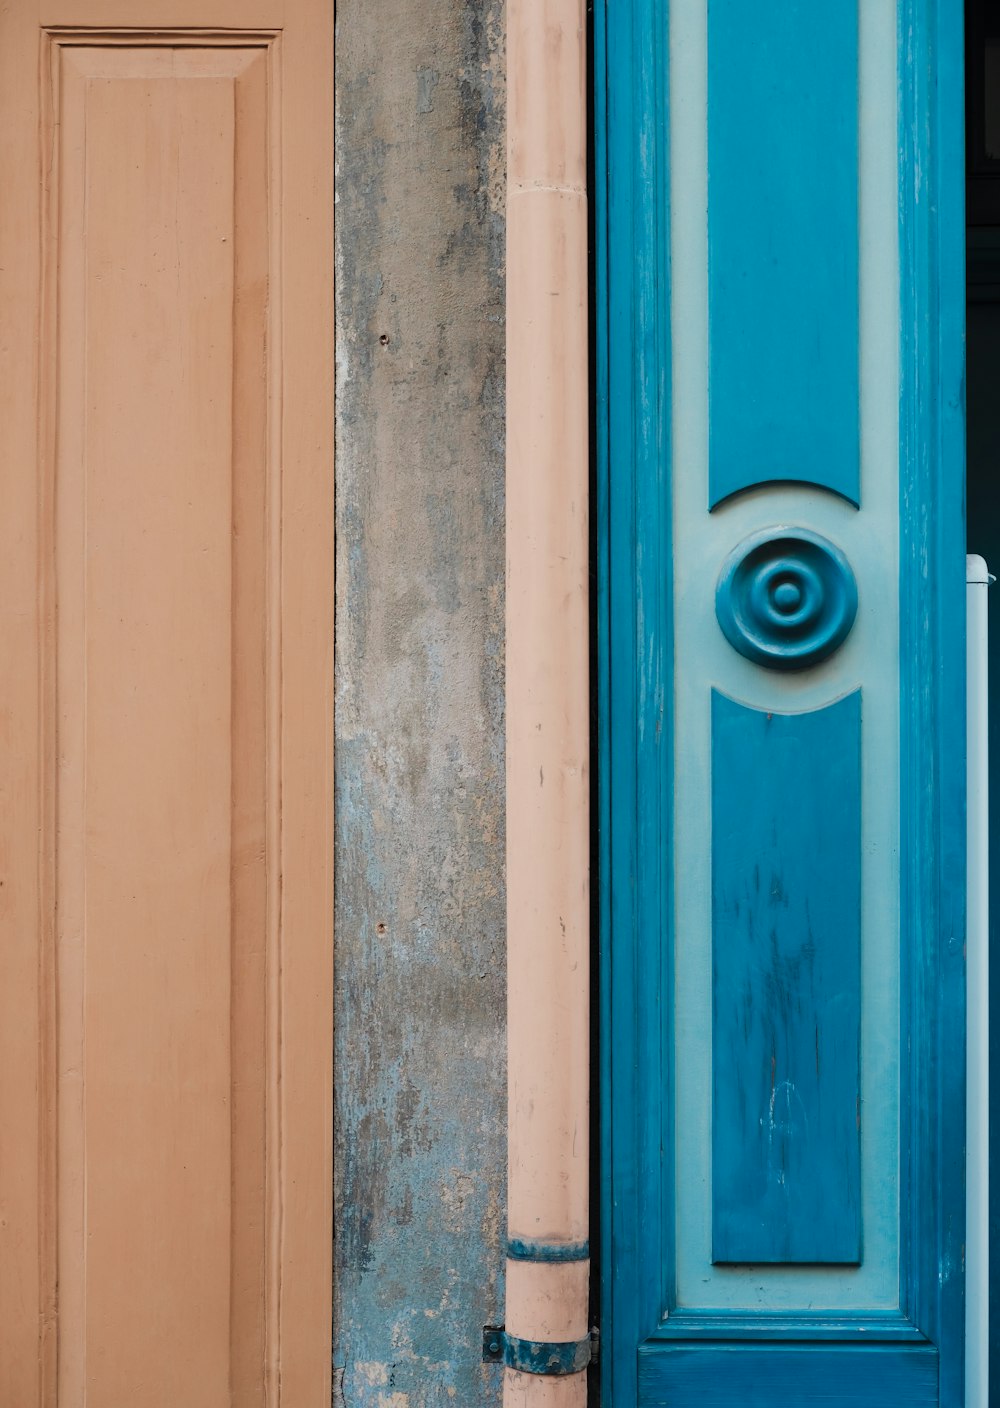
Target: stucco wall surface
x: 420, y: 1045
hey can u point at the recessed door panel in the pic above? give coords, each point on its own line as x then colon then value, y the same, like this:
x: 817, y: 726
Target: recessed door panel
x: 786, y: 984
x: 783, y: 254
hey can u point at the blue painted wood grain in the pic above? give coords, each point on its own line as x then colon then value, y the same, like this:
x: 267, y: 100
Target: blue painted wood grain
x: 783, y: 245
x: 786, y: 975
x: 932, y: 675
x: 635, y: 761
x: 635, y: 660
x: 788, y: 1376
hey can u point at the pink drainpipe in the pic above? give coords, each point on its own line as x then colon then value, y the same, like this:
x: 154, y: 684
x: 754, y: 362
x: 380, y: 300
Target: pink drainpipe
x: 548, y: 908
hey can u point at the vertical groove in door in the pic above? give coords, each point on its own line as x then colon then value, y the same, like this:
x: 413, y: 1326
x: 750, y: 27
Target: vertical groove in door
x: 274, y: 1171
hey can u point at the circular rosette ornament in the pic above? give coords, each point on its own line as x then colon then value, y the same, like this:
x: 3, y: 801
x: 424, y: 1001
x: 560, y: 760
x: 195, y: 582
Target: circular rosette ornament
x: 786, y: 598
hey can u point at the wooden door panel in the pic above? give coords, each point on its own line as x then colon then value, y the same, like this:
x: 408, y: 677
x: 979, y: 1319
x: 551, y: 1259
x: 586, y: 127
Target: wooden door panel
x: 170, y: 845
x: 786, y: 984
x: 160, y: 560
x: 781, y: 632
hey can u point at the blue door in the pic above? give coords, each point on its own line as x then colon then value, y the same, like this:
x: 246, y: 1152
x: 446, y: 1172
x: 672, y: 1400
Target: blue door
x: 781, y: 555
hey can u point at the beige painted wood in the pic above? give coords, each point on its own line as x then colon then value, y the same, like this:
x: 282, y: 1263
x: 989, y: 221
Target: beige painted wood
x: 547, y: 652
x: 166, y: 580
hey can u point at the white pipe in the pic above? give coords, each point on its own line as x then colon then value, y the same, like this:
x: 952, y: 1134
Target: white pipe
x: 977, y: 1285
x: 548, y: 701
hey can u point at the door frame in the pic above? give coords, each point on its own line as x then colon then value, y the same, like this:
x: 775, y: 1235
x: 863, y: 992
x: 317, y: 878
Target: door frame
x: 633, y: 607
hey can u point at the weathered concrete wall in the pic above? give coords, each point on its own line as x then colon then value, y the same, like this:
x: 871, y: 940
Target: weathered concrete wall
x: 420, y: 1112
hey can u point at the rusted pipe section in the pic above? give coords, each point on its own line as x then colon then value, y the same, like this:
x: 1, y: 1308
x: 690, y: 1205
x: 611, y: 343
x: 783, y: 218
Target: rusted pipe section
x: 547, y: 696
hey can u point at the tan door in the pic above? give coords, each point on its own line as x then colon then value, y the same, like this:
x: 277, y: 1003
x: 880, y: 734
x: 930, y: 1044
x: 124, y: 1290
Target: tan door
x: 166, y: 588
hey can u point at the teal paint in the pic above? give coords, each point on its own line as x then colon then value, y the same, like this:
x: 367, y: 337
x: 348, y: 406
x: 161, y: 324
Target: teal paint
x: 783, y: 244
x: 547, y: 1358
x: 635, y: 761
x: 786, y: 598
x: 532, y: 1249
x: 661, y: 652
x: 764, y: 1327
x: 932, y: 672
x: 723, y: 1376
x: 786, y: 1014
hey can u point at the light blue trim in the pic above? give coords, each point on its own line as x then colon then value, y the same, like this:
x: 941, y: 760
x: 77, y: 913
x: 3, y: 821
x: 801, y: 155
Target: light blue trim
x: 702, y: 540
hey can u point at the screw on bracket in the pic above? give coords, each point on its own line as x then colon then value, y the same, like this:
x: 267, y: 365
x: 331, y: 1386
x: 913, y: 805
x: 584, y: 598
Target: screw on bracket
x: 493, y: 1338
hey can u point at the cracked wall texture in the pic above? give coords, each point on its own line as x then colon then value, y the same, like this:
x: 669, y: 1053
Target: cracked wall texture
x: 420, y: 1043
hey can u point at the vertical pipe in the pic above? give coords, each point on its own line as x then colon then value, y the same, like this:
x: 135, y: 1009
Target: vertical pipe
x: 977, y: 960
x: 547, y: 646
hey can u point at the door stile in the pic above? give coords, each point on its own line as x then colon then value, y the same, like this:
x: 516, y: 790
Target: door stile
x: 932, y: 669
x: 635, y: 685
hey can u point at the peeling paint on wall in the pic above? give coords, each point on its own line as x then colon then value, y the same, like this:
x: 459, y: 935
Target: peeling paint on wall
x: 420, y: 999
